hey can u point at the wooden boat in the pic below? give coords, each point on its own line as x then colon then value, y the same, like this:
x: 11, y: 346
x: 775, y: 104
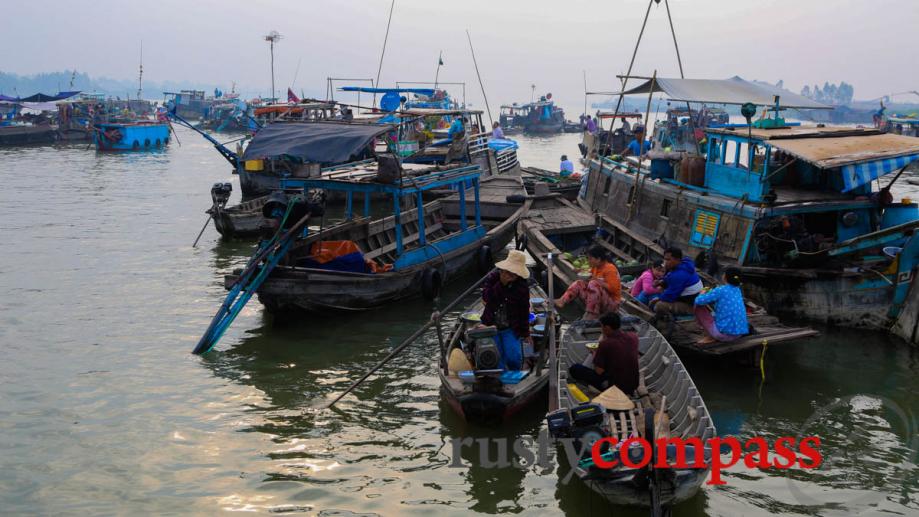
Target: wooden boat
x: 489, y: 396
x: 130, y: 136
x: 559, y: 226
x: 665, y: 391
x: 412, y: 254
x: 26, y: 135
x: 795, y: 208
x: 567, y: 187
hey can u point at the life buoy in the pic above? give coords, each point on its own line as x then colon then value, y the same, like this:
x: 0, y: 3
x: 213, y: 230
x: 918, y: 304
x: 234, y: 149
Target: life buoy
x: 484, y: 260
x: 431, y: 283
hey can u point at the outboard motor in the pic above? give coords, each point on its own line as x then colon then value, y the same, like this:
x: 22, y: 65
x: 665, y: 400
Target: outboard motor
x: 220, y: 194
x: 486, y: 353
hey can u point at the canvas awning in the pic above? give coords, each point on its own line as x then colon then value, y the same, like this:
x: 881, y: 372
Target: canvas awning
x: 326, y: 143
x: 861, y: 159
x: 722, y: 91
x: 41, y: 97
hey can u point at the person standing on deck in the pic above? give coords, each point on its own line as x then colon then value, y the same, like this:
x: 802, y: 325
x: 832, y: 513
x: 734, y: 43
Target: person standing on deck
x: 726, y: 320
x: 681, y: 285
x: 639, y: 145
x: 566, y: 167
x: 496, y: 132
x: 507, y: 307
x: 615, y: 361
x: 602, y: 293
x: 457, y: 129
x: 592, y: 125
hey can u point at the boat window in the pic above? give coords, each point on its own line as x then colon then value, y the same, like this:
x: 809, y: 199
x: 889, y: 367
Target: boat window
x: 714, y: 150
x: 665, y: 208
x: 737, y: 154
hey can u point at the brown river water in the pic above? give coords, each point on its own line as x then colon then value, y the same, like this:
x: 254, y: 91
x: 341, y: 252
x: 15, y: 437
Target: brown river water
x: 103, y: 410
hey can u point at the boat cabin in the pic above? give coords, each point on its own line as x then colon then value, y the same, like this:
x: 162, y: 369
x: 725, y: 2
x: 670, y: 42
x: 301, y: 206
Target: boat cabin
x: 418, y: 237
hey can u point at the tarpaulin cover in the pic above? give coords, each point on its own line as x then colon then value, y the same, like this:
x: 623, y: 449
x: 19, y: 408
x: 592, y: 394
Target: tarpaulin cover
x: 723, y: 91
x: 9, y: 99
x: 326, y: 143
x: 336, y: 256
x: 41, y: 97
x: 500, y: 144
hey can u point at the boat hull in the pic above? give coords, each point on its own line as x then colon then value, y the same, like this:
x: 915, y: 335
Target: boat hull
x: 491, y: 408
x: 27, y: 135
x: 130, y: 137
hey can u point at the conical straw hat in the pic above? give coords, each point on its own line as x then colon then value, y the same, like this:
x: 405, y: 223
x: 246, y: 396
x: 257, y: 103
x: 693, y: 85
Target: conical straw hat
x: 614, y: 399
x: 457, y: 362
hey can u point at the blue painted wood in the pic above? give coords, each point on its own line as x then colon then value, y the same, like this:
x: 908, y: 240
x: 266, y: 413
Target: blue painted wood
x: 434, y: 251
x: 397, y: 212
x: 462, y: 208
x: 366, y: 204
x: 134, y: 136
x: 478, y: 208
x: 349, y: 205
x: 419, y: 202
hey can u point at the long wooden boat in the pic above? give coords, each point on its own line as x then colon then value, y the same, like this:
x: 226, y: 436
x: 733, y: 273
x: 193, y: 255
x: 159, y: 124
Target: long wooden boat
x: 567, y: 187
x: 412, y: 255
x: 559, y: 226
x: 665, y: 391
x: 484, y: 395
x: 795, y: 208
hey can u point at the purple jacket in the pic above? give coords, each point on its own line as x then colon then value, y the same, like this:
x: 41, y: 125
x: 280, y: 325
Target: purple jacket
x: 515, y: 297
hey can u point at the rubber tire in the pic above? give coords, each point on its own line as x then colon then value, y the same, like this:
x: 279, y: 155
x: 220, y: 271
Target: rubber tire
x: 431, y: 284
x: 135, y: 145
x: 484, y: 260
x: 147, y: 144
x: 159, y: 143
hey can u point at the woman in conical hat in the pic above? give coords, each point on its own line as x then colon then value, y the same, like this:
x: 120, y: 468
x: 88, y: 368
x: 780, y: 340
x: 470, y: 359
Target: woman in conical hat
x: 507, y: 307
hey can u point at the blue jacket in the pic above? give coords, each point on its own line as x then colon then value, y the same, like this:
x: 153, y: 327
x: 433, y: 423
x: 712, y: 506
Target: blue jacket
x: 683, y: 276
x: 730, y: 312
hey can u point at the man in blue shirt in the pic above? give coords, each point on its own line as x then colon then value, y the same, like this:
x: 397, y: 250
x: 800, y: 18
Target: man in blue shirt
x: 680, y: 285
x: 566, y: 168
x: 457, y: 129
x: 635, y: 148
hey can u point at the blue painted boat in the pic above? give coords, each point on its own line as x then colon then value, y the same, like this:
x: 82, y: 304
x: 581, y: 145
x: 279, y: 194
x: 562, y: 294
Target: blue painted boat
x: 130, y: 136
x: 794, y: 207
x: 363, y: 263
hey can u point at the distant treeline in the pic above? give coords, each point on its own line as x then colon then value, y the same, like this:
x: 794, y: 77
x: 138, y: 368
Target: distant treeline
x: 836, y: 95
x: 52, y: 82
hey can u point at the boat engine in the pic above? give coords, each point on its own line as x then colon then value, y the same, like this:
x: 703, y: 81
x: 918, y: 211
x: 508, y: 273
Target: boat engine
x: 486, y: 353
x: 586, y: 423
x: 220, y: 194
x: 278, y: 205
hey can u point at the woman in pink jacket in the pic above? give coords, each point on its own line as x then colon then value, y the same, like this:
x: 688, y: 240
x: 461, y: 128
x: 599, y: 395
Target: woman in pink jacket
x: 644, y: 289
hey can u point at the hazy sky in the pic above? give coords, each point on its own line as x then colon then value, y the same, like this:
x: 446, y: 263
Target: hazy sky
x: 869, y: 43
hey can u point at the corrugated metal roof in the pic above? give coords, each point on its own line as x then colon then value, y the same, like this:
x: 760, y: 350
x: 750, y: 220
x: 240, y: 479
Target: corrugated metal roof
x: 724, y: 91
x: 845, y: 150
x: 796, y: 132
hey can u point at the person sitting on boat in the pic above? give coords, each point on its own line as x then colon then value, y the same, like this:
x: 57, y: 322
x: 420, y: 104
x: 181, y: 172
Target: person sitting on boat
x: 592, y: 125
x: 626, y: 127
x: 507, y: 307
x: 496, y: 132
x: 721, y: 312
x: 615, y: 361
x: 680, y: 285
x: 566, y: 167
x: 602, y: 292
x: 644, y: 288
x: 639, y: 145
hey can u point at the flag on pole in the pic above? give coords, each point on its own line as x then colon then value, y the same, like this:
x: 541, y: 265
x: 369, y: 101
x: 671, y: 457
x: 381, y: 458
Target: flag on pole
x: 292, y: 97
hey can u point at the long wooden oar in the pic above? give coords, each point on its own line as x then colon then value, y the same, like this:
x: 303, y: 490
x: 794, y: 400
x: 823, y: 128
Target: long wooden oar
x: 411, y: 339
x: 209, y: 217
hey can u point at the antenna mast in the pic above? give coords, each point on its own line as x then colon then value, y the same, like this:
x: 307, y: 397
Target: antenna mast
x: 271, y: 38
x: 140, y: 75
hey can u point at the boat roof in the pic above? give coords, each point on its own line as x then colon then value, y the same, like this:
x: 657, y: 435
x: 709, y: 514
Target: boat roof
x: 839, y: 151
x: 403, y: 186
x: 782, y: 133
x: 365, y: 89
x: 426, y: 112
x: 898, y: 120
x: 324, y: 142
x: 610, y: 114
x: 721, y: 91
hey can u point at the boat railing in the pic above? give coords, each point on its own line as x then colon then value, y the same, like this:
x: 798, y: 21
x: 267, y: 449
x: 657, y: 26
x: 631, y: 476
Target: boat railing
x: 478, y: 144
x: 506, y: 159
